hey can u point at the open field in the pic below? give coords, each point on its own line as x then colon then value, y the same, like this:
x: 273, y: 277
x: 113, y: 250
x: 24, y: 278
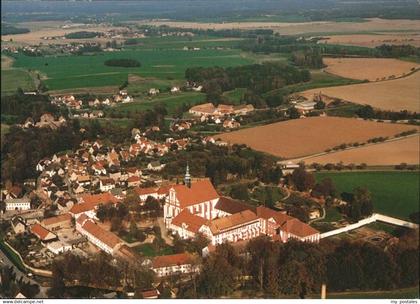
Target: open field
x: 288, y: 28
x: 389, y: 153
x: 301, y: 137
x: 373, y: 40
x: 90, y: 71
x: 394, y: 95
x: 372, y: 69
x: 394, y: 193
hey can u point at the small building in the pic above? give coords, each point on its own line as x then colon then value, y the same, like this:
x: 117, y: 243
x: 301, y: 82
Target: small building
x: 106, y: 184
x: 18, y: 224
x: 154, y: 92
x: 42, y: 233
x: 305, y: 106
x: 155, y: 166
x: 58, y: 222
x: 18, y: 204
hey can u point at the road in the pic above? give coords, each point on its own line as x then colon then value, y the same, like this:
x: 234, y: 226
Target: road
x: 5, y: 261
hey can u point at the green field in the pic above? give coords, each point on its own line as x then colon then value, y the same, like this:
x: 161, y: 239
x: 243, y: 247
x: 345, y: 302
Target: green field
x: 171, y: 102
x: 90, y: 71
x: 15, y: 78
x: 394, y: 193
x: 235, y: 95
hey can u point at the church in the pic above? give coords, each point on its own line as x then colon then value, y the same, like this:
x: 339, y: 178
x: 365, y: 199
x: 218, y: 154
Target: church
x: 196, y: 207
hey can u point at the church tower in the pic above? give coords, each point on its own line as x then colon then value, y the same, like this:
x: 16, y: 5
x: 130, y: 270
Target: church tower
x: 187, y: 178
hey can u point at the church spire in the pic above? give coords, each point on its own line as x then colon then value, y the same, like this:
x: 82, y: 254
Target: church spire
x: 187, y: 178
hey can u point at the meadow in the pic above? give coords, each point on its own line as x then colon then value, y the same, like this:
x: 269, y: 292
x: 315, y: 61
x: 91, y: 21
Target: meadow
x: 89, y: 71
x: 394, y: 193
x: 13, y: 79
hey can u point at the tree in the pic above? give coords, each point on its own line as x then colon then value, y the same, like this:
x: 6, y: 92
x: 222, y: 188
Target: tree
x: 363, y: 197
x: 319, y: 105
x: 302, y: 179
x: 101, y: 213
x: 293, y: 113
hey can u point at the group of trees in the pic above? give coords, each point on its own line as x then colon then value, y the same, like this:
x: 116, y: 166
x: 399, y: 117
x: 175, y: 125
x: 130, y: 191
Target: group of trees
x: 298, y: 269
x: 258, y: 78
x: 219, y: 163
x: 16, y: 108
x: 10, y: 285
x: 101, y: 271
x: 7, y: 29
x: 368, y: 112
x: 22, y: 149
x: 123, y: 62
x: 311, y: 58
x: 359, y: 203
x: 81, y: 35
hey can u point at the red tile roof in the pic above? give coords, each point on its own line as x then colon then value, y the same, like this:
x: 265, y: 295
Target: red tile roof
x: 57, y: 219
x: 238, y: 219
x: 232, y: 206
x: 192, y: 222
x: 106, y: 237
x: 298, y: 228
x: 132, y: 179
x: 200, y: 191
x: 172, y: 260
x: 41, y: 232
x: 90, y: 201
x: 145, y: 191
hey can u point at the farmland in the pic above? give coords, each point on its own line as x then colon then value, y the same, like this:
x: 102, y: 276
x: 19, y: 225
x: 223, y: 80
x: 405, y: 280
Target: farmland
x: 11, y: 78
x: 288, y: 28
x: 301, y: 137
x: 90, y: 71
x: 389, y: 153
x: 373, y: 40
x: 393, y: 193
x: 372, y: 69
x: 394, y: 95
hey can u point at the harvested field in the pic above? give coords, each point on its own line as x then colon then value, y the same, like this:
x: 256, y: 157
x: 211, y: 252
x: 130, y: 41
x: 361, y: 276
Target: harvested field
x: 107, y: 90
x: 301, y: 137
x: 405, y: 150
x: 288, y: 28
x: 373, y: 40
x: 394, y: 95
x: 372, y: 69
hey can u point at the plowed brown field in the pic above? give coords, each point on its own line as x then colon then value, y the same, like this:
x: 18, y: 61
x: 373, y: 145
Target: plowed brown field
x: 389, y: 153
x: 302, y: 137
x: 372, y: 69
x: 394, y: 95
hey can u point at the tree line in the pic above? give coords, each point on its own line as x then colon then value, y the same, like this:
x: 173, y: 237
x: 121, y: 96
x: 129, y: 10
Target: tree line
x: 123, y: 62
x: 298, y: 269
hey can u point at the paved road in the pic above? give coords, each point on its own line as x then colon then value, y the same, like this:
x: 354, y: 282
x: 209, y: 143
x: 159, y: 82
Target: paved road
x: 5, y: 261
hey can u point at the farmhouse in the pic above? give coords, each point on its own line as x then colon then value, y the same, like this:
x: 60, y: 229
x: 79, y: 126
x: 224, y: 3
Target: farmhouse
x: 167, y: 265
x: 208, y: 109
x: 305, y: 106
x: 89, y: 202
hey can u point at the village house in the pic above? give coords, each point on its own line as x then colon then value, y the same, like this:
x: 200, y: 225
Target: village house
x: 175, y: 90
x: 155, y: 166
x: 208, y: 109
x: 133, y: 181
x: 154, y: 92
x: 231, y: 124
x: 181, y: 263
x: 305, y: 107
x: 106, y: 184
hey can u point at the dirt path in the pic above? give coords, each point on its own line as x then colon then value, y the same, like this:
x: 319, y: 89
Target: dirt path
x: 164, y: 231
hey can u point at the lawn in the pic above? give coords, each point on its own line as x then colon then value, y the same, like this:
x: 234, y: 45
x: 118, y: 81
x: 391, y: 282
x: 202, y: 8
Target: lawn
x: 394, y: 193
x: 149, y: 251
x: 15, y: 78
x: 89, y: 70
x: 332, y: 215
